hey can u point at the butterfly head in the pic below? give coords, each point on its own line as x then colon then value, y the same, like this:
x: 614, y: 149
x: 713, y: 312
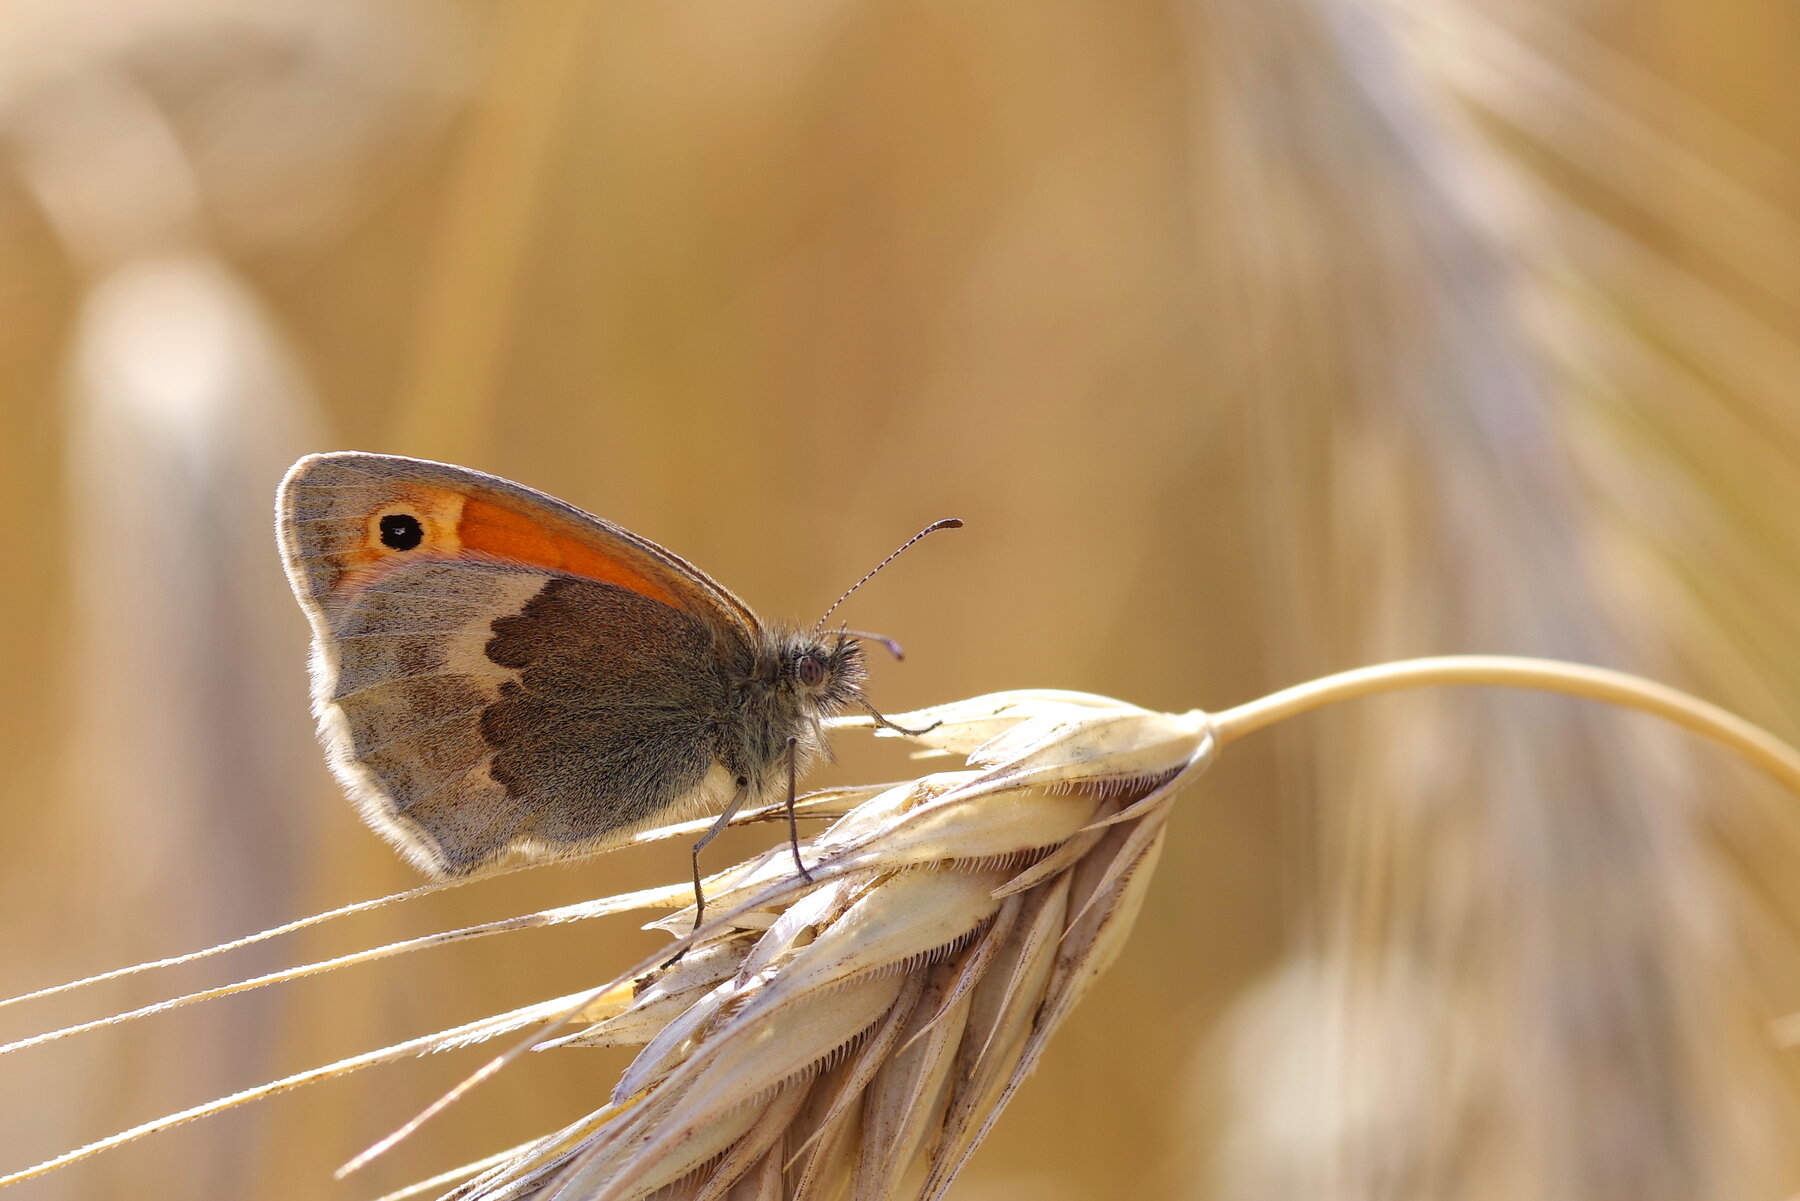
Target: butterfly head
x: 825, y: 672
x: 825, y: 668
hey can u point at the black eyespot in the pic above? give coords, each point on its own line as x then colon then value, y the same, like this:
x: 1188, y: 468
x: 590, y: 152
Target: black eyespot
x: 401, y: 531
x: 810, y: 671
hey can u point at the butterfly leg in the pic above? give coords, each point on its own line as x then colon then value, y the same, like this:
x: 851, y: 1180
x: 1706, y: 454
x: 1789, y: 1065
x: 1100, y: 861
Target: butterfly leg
x: 882, y: 721
x: 723, y: 820
x: 793, y: 749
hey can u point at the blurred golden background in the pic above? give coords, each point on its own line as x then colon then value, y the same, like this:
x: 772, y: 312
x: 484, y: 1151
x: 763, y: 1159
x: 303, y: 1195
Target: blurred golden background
x: 1253, y: 339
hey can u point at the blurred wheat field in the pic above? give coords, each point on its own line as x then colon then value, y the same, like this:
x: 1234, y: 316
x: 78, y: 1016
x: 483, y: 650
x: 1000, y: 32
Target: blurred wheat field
x: 1252, y: 341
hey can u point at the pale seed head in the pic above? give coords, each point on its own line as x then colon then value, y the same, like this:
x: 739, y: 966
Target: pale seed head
x: 863, y: 1031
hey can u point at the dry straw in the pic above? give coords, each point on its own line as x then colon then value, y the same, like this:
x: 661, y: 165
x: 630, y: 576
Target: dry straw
x: 856, y: 1034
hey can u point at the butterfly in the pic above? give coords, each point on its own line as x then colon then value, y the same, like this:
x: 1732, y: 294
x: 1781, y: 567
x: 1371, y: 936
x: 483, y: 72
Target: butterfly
x: 497, y: 674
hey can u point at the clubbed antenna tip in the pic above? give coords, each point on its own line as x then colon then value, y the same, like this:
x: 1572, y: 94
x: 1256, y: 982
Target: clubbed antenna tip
x: 948, y: 523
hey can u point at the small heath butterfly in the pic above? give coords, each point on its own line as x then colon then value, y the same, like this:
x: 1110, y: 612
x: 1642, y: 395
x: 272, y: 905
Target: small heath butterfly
x: 497, y: 673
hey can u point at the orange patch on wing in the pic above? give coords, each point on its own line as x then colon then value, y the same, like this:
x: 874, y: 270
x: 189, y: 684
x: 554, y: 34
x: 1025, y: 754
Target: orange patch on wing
x: 488, y: 529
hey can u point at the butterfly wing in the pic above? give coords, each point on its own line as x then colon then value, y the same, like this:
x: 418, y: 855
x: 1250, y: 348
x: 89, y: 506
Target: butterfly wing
x: 496, y: 671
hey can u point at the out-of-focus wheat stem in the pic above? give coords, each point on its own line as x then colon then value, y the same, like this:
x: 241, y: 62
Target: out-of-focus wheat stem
x: 494, y: 197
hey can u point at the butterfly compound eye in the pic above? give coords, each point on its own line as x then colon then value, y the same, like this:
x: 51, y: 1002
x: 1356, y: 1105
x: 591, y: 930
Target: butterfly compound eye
x: 401, y: 531
x: 810, y: 671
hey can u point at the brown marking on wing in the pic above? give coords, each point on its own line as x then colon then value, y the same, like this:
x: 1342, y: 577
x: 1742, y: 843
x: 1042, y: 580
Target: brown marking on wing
x: 610, y: 718
x: 480, y: 708
x: 401, y: 689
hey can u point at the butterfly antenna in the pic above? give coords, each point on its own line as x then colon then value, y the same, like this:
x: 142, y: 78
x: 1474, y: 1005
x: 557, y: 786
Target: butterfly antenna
x: 948, y: 523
